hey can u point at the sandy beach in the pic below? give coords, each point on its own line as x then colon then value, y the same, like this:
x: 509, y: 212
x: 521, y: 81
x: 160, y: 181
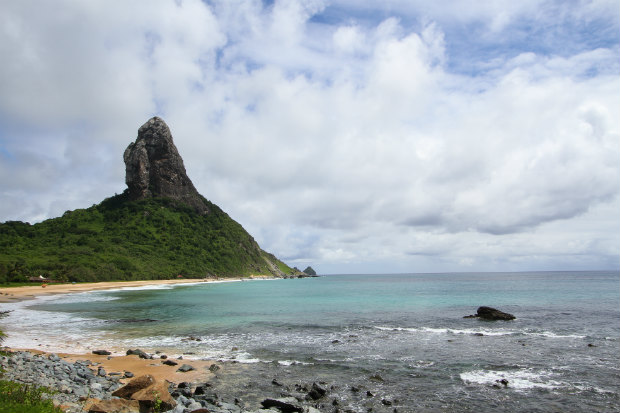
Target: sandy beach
x: 12, y: 294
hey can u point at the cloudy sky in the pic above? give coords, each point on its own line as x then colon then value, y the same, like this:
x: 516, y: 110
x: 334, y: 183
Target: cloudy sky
x: 355, y: 136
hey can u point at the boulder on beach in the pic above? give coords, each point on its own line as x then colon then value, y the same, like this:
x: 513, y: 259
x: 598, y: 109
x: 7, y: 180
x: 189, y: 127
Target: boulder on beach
x: 138, y: 353
x: 489, y: 313
x: 134, y: 386
x: 185, y: 368
x: 147, y: 392
x: 101, y: 352
x: 156, y: 394
x: 114, y: 406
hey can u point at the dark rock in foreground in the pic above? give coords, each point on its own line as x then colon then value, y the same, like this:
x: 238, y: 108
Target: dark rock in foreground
x: 316, y: 392
x: 489, y: 313
x: 287, y: 405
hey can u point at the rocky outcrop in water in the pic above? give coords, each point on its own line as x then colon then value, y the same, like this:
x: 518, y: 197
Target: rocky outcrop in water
x: 154, y: 168
x: 489, y: 313
x: 310, y: 271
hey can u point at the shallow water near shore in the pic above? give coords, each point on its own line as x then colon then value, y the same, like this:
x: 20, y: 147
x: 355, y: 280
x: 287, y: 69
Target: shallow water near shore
x: 400, y: 337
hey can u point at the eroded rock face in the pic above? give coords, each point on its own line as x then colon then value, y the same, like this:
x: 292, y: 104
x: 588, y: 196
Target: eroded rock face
x: 154, y: 168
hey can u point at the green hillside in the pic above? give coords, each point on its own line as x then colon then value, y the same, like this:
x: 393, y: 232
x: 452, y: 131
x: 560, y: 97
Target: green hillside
x: 154, y: 238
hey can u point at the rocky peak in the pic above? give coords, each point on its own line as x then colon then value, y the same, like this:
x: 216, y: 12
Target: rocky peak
x: 154, y: 168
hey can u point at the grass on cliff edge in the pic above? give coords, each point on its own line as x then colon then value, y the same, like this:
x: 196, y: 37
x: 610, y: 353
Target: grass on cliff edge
x: 118, y: 239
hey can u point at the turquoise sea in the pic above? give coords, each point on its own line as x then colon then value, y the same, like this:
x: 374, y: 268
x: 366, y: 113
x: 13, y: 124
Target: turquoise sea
x: 401, y: 337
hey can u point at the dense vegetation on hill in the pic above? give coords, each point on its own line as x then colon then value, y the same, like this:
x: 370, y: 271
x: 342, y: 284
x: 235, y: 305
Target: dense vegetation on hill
x: 155, y: 238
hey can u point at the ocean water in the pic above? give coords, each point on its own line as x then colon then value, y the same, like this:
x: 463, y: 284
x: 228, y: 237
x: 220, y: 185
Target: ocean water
x: 402, y: 337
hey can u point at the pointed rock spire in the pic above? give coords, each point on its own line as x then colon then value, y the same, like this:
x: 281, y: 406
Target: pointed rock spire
x: 154, y: 168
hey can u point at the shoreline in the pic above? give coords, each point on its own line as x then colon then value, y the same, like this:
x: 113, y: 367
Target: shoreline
x: 25, y: 295
x: 110, y: 371
x: 16, y: 294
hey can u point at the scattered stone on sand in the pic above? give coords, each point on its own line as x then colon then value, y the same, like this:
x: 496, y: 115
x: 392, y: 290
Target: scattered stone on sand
x: 139, y: 353
x: 185, y: 368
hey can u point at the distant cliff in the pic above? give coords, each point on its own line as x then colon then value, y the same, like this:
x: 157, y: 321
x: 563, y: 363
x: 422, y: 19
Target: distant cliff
x: 160, y: 227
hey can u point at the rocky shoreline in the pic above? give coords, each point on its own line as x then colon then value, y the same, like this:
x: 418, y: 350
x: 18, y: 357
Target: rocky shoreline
x: 85, y: 386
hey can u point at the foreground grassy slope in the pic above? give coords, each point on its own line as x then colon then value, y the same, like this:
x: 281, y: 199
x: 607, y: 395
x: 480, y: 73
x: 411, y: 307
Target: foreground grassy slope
x: 118, y: 239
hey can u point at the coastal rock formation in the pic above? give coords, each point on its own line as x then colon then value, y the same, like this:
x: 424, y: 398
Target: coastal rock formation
x: 489, y: 313
x: 154, y: 168
x: 310, y: 271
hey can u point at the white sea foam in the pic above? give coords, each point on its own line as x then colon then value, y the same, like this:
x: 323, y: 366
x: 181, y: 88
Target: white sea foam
x: 433, y: 330
x: 293, y: 362
x: 522, y: 379
x: 421, y: 364
x: 549, y: 334
x: 157, y: 286
x: 486, y: 332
